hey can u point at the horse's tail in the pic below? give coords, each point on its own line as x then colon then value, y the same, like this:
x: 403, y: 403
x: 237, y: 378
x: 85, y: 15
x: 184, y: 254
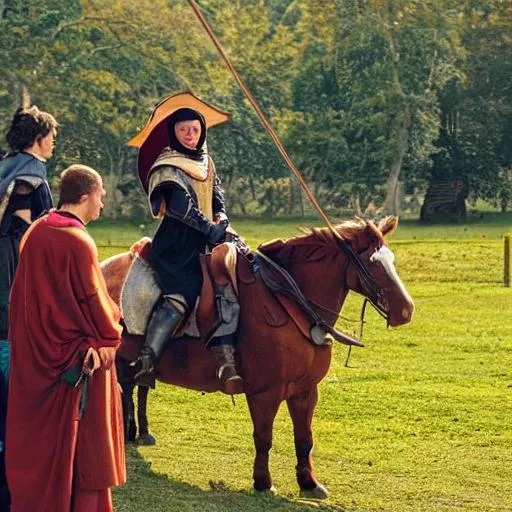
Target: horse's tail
x: 141, y: 247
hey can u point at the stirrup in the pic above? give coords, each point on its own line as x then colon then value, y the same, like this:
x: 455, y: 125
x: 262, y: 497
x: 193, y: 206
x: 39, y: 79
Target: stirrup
x: 144, y: 372
x: 233, y: 384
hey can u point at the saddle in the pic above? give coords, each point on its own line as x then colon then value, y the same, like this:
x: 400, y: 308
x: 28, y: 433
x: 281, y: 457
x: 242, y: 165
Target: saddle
x: 216, y: 308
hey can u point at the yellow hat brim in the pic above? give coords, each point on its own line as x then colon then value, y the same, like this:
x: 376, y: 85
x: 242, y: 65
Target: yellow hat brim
x: 213, y: 116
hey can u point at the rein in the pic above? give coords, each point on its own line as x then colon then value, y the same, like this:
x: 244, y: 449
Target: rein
x: 372, y: 291
x: 361, y: 323
x: 292, y: 291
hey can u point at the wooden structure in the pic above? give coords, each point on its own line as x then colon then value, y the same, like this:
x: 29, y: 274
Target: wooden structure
x: 445, y: 200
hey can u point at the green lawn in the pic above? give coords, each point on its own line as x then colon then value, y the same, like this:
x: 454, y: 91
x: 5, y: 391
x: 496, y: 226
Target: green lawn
x: 419, y: 421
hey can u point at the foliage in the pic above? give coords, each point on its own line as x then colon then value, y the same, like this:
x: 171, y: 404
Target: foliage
x: 364, y: 94
x: 485, y: 108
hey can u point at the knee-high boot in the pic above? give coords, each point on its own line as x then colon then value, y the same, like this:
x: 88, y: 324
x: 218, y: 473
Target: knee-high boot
x: 223, y: 349
x: 162, y: 324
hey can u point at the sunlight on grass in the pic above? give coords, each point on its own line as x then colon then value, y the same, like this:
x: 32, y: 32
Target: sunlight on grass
x: 418, y: 421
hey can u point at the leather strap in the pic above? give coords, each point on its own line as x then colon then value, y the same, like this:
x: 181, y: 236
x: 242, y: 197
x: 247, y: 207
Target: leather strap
x: 292, y: 290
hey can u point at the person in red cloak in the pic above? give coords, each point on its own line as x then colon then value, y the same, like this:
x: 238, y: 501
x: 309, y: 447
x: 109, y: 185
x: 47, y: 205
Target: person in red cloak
x: 64, y: 444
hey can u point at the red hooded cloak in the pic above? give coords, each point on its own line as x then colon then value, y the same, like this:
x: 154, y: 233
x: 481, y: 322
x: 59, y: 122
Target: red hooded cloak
x: 59, y: 308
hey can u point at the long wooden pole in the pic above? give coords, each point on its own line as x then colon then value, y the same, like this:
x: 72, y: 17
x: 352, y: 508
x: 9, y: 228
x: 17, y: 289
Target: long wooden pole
x: 261, y: 116
x: 506, y: 261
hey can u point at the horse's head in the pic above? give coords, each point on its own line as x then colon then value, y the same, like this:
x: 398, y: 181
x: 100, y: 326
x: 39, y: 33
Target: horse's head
x: 375, y: 275
x: 326, y: 266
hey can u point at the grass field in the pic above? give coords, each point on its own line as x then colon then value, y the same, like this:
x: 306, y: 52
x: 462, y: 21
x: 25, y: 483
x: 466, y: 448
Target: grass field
x: 419, y: 421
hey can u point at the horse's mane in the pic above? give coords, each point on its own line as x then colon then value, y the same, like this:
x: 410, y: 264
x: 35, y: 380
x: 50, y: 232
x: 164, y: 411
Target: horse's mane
x: 315, y: 240
x: 349, y: 230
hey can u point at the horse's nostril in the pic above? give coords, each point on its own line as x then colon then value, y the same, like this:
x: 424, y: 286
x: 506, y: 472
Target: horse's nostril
x: 406, y: 313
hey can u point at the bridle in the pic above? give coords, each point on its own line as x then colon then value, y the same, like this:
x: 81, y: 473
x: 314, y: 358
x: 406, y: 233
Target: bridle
x: 372, y: 291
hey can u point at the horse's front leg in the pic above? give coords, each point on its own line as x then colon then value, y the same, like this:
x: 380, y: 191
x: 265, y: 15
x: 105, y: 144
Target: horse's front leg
x: 263, y: 408
x: 302, y: 407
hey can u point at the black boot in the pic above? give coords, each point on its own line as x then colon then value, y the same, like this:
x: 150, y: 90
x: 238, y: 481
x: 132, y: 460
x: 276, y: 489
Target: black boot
x: 224, y: 350
x: 162, y: 324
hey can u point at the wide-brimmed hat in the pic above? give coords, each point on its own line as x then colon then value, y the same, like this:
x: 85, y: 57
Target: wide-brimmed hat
x: 153, y: 138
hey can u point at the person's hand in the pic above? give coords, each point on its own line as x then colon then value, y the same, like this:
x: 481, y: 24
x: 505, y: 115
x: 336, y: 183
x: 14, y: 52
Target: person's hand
x: 144, y: 364
x: 232, y: 232
x: 91, y: 361
x: 217, y: 233
x: 233, y: 237
x: 107, y: 356
x: 220, y: 217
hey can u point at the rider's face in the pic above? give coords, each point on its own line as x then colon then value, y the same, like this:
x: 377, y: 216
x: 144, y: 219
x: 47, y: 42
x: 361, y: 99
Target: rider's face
x: 188, y: 133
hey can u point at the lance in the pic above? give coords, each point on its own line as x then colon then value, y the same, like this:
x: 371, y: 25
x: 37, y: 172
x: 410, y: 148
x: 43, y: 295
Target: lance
x: 262, y: 116
x: 367, y: 280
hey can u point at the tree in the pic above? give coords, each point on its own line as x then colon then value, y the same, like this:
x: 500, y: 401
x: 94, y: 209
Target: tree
x: 476, y: 113
x: 393, y: 56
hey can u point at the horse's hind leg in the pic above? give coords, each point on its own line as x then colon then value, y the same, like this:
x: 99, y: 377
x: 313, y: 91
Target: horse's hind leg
x: 145, y: 437
x: 263, y: 408
x: 302, y: 407
x: 125, y: 378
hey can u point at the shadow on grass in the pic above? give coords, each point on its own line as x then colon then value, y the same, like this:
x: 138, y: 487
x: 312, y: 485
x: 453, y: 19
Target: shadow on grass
x: 153, y: 492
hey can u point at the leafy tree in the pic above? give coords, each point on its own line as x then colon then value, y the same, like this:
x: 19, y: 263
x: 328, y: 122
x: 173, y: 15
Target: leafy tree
x: 393, y: 57
x: 364, y: 93
x: 476, y: 112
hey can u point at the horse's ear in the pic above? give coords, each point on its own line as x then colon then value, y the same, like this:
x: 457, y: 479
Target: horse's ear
x: 388, y: 225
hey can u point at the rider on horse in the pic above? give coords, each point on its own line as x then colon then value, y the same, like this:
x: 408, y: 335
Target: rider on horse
x: 185, y: 192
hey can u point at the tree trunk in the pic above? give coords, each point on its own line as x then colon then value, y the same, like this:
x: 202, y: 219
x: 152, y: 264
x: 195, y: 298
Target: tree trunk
x: 25, y: 99
x: 252, y: 188
x: 111, y: 181
x: 356, y: 204
x: 392, y: 201
x: 20, y: 94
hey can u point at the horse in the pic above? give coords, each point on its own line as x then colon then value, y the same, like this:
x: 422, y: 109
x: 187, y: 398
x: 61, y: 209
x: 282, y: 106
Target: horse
x: 270, y: 340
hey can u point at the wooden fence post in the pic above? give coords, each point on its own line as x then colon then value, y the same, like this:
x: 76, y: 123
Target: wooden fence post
x: 506, y: 261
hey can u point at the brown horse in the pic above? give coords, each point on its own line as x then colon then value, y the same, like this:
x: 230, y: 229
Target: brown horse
x: 275, y: 357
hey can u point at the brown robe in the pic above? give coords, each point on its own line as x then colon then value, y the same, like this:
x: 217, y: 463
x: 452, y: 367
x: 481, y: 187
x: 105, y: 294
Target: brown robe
x: 60, y: 308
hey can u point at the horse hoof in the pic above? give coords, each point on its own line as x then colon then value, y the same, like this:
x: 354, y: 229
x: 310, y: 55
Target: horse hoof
x: 272, y: 491
x: 146, y: 440
x: 317, y: 493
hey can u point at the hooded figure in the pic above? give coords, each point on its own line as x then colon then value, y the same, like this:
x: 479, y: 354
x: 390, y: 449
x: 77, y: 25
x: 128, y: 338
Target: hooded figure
x: 186, y: 193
